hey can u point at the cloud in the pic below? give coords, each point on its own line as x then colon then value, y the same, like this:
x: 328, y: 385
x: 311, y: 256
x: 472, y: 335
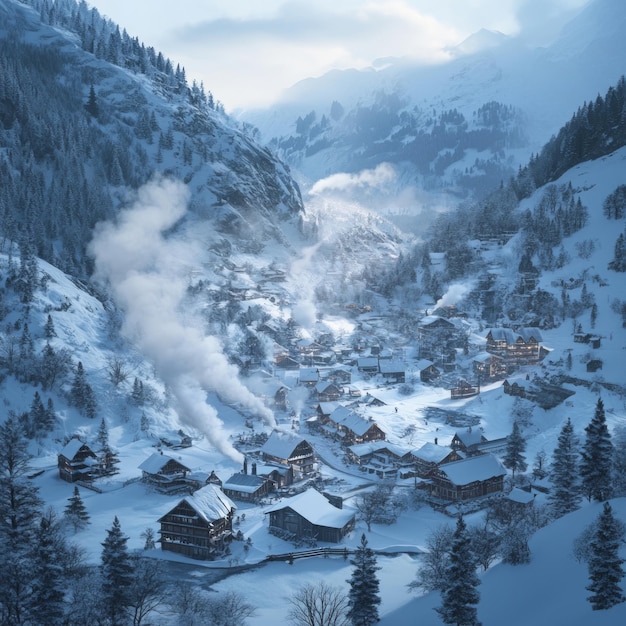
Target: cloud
x: 146, y: 273
x: 383, y: 174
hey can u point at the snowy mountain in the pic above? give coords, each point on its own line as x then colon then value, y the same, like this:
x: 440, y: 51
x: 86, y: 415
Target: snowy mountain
x: 461, y: 126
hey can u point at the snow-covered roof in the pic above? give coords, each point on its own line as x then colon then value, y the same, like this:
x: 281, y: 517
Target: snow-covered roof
x: 327, y: 408
x: 469, y: 437
x: 211, y: 503
x: 350, y: 420
x: 431, y: 452
x: 309, y: 374
x: 392, y: 367
x: 474, y: 468
x: 520, y: 496
x: 424, y: 364
x: 71, y: 448
x: 369, y: 447
x: 315, y: 508
x: 281, y: 445
x: 156, y: 462
x: 511, y: 336
x: 244, y: 483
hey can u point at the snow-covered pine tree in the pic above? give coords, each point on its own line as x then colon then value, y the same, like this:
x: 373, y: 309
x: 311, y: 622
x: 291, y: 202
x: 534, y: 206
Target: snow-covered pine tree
x: 565, y: 494
x: 460, y: 595
x: 76, y: 512
x: 108, y: 458
x: 619, y: 461
x: 597, y: 457
x: 515, y: 447
x: 21, y: 508
x: 47, y: 599
x: 363, y: 597
x: 605, y: 565
x: 117, y: 573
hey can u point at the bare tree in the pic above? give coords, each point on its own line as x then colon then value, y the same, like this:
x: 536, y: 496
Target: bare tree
x: 318, y: 605
x: 146, y: 590
x: 375, y: 505
x: 229, y: 609
x: 117, y: 370
x: 431, y: 575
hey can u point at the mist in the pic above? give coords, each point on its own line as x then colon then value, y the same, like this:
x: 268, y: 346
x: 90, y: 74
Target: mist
x: 146, y: 267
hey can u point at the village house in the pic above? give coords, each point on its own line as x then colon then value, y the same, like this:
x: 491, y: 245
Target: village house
x: 429, y: 457
x: 377, y: 457
x: 309, y: 376
x: 368, y: 364
x: 519, y: 347
x: 248, y: 487
x: 290, y: 450
x: 427, y: 369
x: 77, y: 461
x: 351, y: 428
x: 327, y: 391
x: 437, y: 336
x: 309, y: 515
x: 467, y: 441
x: 199, y: 526
x: 164, y: 473
x: 393, y: 371
x: 474, y: 477
x: 487, y: 366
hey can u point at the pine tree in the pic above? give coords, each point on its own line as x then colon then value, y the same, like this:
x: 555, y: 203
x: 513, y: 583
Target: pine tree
x: 20, y: 508
x: 117, y: 573
x: 460, y: 594
x: 77, y: 392
x: 49, y: 330
x: 564, y: 472
x: 605, y: 565
x: 76, y: 512
x: 363, y: 597
x: 515, y: 447
x: 108, y: 458
x: 38, y: 415
x: 91, y: 105
x: 597, y: 457
x: 47, y: 598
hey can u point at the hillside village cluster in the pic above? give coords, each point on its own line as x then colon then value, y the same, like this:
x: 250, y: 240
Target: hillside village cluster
x: 281, y: 469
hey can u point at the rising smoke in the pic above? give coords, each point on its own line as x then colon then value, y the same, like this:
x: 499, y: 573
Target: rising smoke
x: 146, y: 273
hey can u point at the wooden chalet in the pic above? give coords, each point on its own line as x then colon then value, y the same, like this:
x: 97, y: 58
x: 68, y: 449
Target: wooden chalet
x: 285, y: 362
x: 393, y: 371
x: 164, y: 473
x: 368, y: 364
x: 199, y: 526
x: 351, y: 428
x: 377, y: 457
x: 309, y: 515
x: 429, y: 457
x: 247, y: 487
x: 516, y: 347
x: 328, y: 391
x: 427, y: 369
x: 464, y: 389
x: 467, y: 479
x: 467, y: 441
x: 77, y: 461
x: 309, y: 376
x: 289, y: 450
x: 489, y: 366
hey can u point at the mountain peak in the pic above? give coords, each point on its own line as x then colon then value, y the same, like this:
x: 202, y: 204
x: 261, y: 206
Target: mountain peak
x: 482, y: 39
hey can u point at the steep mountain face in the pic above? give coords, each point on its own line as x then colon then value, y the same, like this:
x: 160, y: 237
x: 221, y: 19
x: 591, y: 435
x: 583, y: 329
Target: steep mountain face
x: 87, y: 114
x: 462, y: 126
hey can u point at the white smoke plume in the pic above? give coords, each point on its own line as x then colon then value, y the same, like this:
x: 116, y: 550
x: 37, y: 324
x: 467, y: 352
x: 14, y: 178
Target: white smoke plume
x: 146, y: 272
x: 383, y: 174
x: 302, y: 273
x: 455, y: 294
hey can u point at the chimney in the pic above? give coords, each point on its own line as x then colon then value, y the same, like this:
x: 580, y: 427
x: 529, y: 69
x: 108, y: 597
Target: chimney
x: 245, y: 465
x: 253, y: 468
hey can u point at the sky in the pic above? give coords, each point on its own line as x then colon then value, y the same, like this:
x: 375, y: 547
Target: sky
x: 247, y: 52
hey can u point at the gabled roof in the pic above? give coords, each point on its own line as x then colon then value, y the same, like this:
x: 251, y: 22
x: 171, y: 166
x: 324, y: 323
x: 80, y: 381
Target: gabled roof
x: 156, y: 462
x: 281, y: 445
x: 316, y: 509
x: 512, y: 336
x: 71, y: 448
x: 369, y: 447
x: 210, y: 503
x: 309, y: 375
x: 431, y: 452
x: 352, y: 421
x: 470, y: 437
x: 475, y: 468
x: 392, y: 367
x: 244, y: 483
x: 326, y: 408
x: 424, y: 364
